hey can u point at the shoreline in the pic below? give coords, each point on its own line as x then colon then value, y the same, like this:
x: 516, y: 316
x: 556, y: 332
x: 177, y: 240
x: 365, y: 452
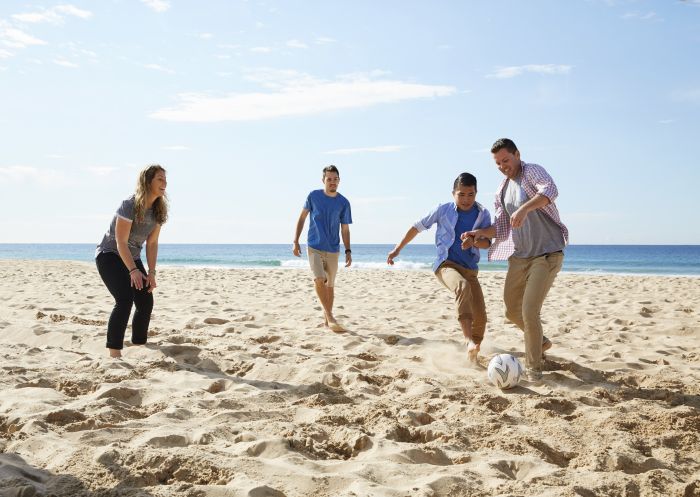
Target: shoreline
x: 341, y: 269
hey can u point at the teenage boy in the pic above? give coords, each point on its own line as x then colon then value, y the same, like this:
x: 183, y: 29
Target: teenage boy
x: 456, y: 265
x: 530, y: 235
x: 330, y: 213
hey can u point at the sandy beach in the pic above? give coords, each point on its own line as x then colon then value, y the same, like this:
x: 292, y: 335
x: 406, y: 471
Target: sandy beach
x: 242, y: 391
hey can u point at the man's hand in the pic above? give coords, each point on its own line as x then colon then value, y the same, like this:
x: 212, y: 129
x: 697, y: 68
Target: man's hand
x: 518, y: 217
x: 296, y: 250
x: 394, y: 253
x: 348, y: 259
x: 467, y: 241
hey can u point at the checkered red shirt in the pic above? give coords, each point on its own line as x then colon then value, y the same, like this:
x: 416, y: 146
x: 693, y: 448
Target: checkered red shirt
x: 534, y: 180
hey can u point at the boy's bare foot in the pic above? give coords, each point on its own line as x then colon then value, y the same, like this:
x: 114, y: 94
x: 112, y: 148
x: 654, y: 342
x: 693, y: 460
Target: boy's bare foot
x: 472, y: 350
x: 115, y: 353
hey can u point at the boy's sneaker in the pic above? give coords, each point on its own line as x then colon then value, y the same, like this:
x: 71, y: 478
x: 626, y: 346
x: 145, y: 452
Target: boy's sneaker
x: 533, y: 375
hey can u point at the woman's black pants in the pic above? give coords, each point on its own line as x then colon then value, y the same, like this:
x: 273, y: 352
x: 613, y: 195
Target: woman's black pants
x: 116, y: 277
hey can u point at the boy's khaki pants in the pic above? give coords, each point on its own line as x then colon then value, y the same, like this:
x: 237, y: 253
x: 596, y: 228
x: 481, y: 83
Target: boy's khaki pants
x: 527, y: 283
x: 469, y: 298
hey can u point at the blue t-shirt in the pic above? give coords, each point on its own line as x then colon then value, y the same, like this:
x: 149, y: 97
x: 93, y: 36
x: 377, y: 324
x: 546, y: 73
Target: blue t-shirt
x: 326, y: 214
x: 465, y: 222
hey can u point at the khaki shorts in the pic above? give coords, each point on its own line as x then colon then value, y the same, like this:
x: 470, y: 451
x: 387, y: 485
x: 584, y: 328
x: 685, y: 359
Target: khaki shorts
x: 324, y: 265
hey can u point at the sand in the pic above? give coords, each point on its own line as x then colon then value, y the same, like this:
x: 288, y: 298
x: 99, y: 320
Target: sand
x: 242, y: 392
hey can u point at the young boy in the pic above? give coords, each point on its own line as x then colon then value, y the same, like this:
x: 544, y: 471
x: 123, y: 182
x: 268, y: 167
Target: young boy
x: 457, y: 267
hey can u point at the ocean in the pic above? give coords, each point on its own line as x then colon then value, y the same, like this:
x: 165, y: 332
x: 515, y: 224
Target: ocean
x: 681, y: 260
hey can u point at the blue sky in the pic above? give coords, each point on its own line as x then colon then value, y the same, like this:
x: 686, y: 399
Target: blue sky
x: 244, y: 102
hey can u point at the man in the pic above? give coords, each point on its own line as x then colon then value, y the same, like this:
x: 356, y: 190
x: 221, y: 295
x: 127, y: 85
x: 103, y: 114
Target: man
x: 530, y: 235
x: 330, y: 213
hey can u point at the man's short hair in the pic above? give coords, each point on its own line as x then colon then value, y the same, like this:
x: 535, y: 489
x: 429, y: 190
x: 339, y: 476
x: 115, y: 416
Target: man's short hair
x: 506, y: 143
x: 330, y: 169
x: 464, y: 179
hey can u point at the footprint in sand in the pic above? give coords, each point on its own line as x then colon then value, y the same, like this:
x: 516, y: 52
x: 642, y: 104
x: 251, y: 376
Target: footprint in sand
x: 215, y: 321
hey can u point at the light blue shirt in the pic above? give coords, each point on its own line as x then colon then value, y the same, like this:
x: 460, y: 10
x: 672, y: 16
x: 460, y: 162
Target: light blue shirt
x: 446, y: 215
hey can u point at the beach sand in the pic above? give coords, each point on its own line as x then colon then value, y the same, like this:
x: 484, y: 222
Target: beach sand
x: 240, y: 392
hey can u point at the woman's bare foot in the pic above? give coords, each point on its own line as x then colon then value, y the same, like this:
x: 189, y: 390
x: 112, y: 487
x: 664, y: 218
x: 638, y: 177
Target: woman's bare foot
x: 115, y: 353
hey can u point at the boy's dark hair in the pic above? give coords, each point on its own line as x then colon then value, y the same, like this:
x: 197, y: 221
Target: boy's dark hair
x: 330, y: 169
x: 506, y: 143
x: 464, y: 179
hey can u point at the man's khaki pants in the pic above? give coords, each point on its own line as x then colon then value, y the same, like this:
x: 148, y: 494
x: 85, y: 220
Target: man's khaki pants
x: 469, y: 299
x: 527, y: 283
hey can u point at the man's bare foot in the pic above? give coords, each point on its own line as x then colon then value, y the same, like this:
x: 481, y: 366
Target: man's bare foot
x: 115, y: 353
x: 546, y: 344
x: 334, y: 325
x: 472, y: 350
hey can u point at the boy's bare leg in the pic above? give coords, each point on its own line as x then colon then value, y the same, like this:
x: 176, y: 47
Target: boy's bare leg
x: 472, y: 348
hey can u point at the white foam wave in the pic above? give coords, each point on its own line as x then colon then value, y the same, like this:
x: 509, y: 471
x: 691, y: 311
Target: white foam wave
x: 398, y: 265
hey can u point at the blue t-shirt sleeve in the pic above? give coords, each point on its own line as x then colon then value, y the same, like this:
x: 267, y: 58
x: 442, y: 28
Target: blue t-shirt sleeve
x: 308, y: 203
x: 345, y: 214
x: 126, y: 210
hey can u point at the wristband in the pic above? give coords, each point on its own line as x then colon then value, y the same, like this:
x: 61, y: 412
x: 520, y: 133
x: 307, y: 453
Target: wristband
x: 348, y: 251
x: 132, y: 270
x: 152, y: 271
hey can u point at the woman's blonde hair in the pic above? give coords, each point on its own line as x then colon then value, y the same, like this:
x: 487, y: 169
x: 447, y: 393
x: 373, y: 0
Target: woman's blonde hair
x: 160, y: 206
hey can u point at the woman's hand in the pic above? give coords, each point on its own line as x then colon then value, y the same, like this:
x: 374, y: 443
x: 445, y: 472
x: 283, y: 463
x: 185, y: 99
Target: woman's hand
x: 151, y: 282
x: 137, y: 279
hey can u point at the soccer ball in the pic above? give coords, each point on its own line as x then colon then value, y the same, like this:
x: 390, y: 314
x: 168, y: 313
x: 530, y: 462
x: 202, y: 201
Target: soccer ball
x: 504, y: 371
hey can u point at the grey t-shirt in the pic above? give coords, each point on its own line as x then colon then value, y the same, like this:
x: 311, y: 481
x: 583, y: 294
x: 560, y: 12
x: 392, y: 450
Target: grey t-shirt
x: 138, y: 234
x: 539, y: 234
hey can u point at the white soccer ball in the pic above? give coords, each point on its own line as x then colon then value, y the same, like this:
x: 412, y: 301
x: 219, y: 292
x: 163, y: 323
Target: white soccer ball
x: 504, y: 371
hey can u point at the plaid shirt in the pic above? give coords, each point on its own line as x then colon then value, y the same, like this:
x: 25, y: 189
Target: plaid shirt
x: 534, y: 180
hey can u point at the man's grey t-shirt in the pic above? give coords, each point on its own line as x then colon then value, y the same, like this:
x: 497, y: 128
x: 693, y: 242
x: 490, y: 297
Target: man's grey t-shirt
x: 539, y: 234
x: 138, y: 234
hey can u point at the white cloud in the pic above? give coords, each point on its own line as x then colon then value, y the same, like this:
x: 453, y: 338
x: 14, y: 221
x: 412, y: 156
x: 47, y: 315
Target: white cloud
x: 158, y: 67
x: 324, y: 40
x: 296, y: 96
x: 72, y: 10
x: 176, y: 147
x: 513, y: 71
x: 157, y: 5
x: 65, y: 63
x: 16, y: 38
x: 5, y: 54
x: 28, y: 174
x: 297, y: 44
x: 667, y: 121
x: 640, y: 15
x: 261, y: 49
x: 379, y: 149
x: 205, y: 36
x: 53, y: 15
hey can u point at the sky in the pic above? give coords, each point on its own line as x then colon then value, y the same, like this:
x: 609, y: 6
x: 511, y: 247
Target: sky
x: 244, y: 103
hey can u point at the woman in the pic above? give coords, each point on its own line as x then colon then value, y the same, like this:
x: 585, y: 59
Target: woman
x: 118, y: 258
